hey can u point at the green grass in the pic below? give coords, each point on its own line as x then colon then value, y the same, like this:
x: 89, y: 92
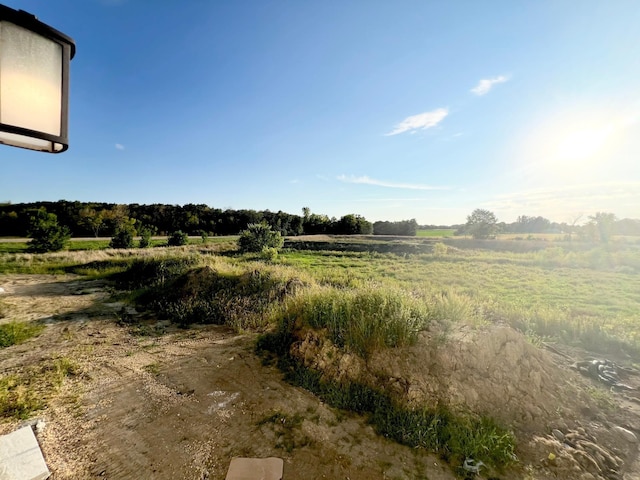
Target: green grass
x: 363, y: 320
x: 441, y: 232
x: 590, y: 297
x: 14, y: 333
x: 102, y: 243
x: 13, y: 247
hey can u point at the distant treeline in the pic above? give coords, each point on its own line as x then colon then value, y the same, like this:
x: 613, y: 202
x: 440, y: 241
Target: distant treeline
x: 530, y: 225
x: 104, y: 219
x: 96, y: 219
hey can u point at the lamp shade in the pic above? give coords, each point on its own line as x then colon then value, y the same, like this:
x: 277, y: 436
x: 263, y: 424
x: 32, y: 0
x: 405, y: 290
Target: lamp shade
x: 34, y: 83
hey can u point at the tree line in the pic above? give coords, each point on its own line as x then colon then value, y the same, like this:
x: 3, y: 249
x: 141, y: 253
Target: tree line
x: 93, y: 219
x: 600, y: 227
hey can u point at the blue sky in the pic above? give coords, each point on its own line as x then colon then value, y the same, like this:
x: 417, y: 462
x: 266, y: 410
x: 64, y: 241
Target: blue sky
x: 393, y: 110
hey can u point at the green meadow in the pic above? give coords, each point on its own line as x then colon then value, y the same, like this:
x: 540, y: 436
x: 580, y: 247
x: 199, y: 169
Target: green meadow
x: 437, y: 232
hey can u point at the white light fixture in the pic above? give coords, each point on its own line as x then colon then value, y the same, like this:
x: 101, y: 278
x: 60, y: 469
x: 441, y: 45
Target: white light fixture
x: 34, y: 82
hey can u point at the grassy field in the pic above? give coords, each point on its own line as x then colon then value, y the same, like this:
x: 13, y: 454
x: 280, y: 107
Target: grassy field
x: 577, y: 294
x: 590, y: 297
x: 442, y: 232
x: 79, y: 244
x: 574, y: 293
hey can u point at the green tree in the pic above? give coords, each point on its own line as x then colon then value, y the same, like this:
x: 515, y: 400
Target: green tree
x: 123, y: 238
x: 177, y: 239
x: 259, y: 236
x: 91, y: 220
x: 353, y: 225
x: 145, y: 236
x: 603, y: 223
x: 46, y: 234
x: 481, y: 224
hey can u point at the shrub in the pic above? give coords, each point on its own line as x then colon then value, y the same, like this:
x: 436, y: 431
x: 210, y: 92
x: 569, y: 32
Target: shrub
x: 145, y: 238
x: 177, y: 239
x: 46, y: 234
x: 269, y: 254
x: 259, y: 236
x: 123, y: 237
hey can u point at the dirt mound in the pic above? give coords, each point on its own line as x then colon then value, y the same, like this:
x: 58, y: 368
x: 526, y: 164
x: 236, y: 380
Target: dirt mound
x: 562, y: 430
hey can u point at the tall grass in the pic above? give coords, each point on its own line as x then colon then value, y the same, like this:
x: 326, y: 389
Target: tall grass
x: 363, y: 320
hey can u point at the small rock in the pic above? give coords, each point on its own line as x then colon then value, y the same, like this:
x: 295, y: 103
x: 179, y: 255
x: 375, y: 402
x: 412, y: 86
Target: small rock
x: 40, y: 424
x: 558, y: 434
x: 628, y: 435
x: 2, y: 290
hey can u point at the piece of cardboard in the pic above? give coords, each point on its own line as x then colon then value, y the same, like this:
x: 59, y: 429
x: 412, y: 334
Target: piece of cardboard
x: 255, y: 469
x: 21, y: 457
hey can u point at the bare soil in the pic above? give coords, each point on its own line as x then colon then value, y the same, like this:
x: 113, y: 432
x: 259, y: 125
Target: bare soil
x: 161, y: 403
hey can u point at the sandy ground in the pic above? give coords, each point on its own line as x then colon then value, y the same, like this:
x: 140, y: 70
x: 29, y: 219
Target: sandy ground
x: 161, y: 403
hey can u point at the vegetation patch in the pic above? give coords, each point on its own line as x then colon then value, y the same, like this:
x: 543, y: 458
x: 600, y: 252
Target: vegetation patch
x: 452, y: 435
x: 28, y: 391
x: 17, y: 399
x: 287, y: 430
x: 13, y: 333
x: 363, y: 320
x: 241, y: 300
x: 152, y: 271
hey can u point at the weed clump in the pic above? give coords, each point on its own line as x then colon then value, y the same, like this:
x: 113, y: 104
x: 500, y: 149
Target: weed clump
x: 17, y: 400
x: 14, y: 333
x: 24, y: 393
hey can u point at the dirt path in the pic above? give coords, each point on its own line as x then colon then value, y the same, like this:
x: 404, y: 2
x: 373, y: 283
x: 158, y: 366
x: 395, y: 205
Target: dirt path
x: 168, y: 404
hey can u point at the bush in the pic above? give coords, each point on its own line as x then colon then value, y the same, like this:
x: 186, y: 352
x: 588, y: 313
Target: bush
x: 269, y: 254
x: 177, y: 239
x: 204, y: 235
x: 145, y: 238
x: 46, y: 234
x: 123, y: 237
x: 259, y: 236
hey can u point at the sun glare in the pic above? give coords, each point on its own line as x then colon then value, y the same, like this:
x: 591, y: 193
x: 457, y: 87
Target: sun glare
x: 574, y: 146
x: 582, y: 144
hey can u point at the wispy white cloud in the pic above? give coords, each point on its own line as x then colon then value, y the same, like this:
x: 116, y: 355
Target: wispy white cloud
x: 294, y: 181
x: 119, y: 146
x: 422, y: 121
x: 486, y: 84
x: 382, y: 183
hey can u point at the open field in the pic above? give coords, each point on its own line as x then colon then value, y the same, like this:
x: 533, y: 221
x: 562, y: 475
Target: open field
x: 443, y: 232
x: 20, y: 245
x: 462, y: 350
